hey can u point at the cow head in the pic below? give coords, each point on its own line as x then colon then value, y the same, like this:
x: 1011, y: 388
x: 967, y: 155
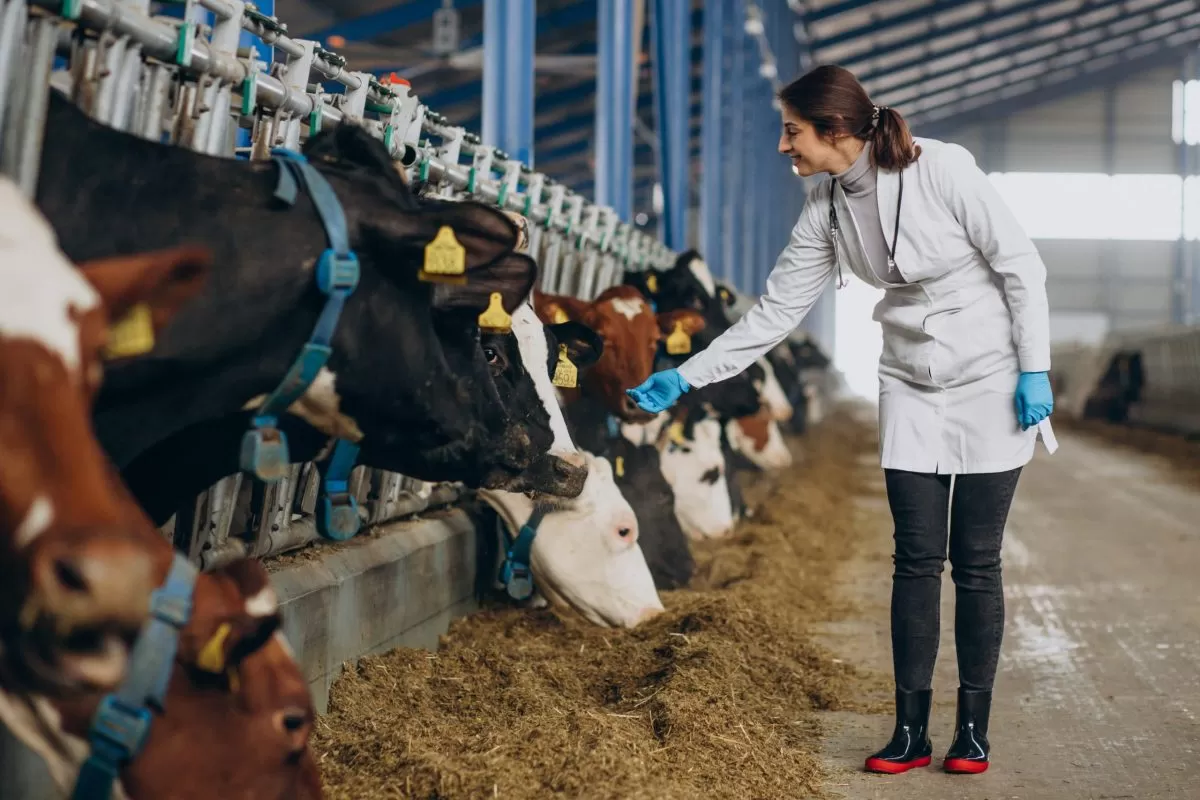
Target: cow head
x: 236, y: 699
x: 631, y: 332
x: 760, y: 440
x: 772, y: 395
x: 689, y: 285
x: 694, y: 464
x: 586, y: 554
x: 75, y: 573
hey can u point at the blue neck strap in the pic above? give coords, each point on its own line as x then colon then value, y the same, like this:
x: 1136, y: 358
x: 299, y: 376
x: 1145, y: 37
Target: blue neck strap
x: 614, y: 427
x: 122, y: 721
x: 337, y: 509
x: 264, y: 451
x: 515, y: 573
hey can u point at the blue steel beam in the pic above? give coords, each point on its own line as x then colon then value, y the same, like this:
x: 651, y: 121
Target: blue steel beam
x: 382, y: 22
x: 980, y: 100
x: 1111, y: 26
x: 671, y: 65
x: 834, y: 9
x: 508, y: 76
x: 904, y: 43
x: 585, y: 146
x: 1055, y: 91
x: 615, y: 107
x: 734, y: 164
x: 577, y: 122
x: 565, y: 18
x: 712, y: 182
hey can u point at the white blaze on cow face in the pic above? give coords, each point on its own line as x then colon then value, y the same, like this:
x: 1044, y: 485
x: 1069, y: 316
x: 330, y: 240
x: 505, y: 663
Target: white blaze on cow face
x: 628, y: 307
x: 263, y: 604
x: 37, y: 520
x: 772, y: 394
x: 696, y: 472
x: 586, y: 552
x: 702, y: 273
x: 43, y: 293
x: 531, y: 342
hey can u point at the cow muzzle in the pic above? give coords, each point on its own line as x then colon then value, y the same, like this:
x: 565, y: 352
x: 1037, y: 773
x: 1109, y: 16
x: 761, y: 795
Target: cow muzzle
x: 553, y: 475
x: 87, y: 601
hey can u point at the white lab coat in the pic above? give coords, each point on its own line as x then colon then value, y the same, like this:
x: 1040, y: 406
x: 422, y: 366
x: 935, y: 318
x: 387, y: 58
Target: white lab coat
x: 972, y: 316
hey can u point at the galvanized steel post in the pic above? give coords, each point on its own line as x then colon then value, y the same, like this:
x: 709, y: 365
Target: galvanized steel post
x: 509, y: 35
x: 265, y: 53
x: 615, y: 81
x: 713, y: 177
x: 672, y: 81
x: 753, y: 165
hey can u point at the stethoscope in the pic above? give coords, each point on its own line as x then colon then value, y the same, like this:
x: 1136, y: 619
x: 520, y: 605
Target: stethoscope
x: 835, y: 228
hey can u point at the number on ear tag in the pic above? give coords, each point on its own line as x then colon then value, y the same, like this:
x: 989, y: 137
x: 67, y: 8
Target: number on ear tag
x: 212, y: 655
x: 679, y: 342
x: 619, y: 466
x: 132, y: 335
x: 652, y: 283
x: 445, y: 259
x: 495, y: 319
x: 566, y: 375
x: 560, y: 316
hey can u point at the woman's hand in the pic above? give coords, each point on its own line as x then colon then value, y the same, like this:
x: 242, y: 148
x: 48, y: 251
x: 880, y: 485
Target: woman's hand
x: 1034, y: 400
x: 660, y: 391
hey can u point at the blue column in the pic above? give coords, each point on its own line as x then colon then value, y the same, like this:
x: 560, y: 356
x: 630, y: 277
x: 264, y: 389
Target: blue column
x: 735, y: 161
x: 508, y: 50
x: 752, y: 192
x: 615, y: 106
x: 672, y: 80
x: 711, y: 150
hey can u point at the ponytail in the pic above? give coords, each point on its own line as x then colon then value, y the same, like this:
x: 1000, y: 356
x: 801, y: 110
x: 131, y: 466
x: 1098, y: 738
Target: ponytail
x: 892, y: 146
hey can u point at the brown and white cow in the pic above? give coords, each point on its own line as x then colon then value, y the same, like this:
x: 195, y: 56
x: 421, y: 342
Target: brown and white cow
x: 80, y: 559
x: 631, y: 331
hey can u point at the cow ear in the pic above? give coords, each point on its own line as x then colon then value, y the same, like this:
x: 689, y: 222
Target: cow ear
x: 553, y: 309
x: 162, y: 280
x: 728, y: 298
x: 647, y: 282
x: 511, y: 276
x: 484, y: 233
x: 236, y: 618
x: 584, y: 345
x: 692, y: 321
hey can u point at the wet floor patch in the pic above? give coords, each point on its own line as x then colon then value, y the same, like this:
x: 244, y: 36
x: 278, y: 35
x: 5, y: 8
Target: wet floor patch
x: 716, y: 698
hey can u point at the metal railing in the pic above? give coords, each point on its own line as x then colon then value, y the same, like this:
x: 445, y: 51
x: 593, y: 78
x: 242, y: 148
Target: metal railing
x: 191, y: 81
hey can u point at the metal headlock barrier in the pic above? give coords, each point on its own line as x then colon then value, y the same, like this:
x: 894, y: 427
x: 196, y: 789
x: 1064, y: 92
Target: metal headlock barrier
x: 191, y: 80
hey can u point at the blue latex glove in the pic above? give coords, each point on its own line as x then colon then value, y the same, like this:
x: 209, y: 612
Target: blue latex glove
x: 1034, y: 400
x: 660, y: 391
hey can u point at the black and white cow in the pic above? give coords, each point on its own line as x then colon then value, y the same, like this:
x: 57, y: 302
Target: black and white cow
x: 408, y: 377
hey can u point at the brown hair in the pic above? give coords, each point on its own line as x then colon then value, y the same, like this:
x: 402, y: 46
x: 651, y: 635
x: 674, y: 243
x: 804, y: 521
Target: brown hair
x: 833, y: 100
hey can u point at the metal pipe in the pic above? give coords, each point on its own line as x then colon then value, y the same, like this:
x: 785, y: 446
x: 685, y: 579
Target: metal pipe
x: 615, y: 107
x: 734, y: 161
x: 672, y: 76
x: 711, y: 150
x: 508, y: 51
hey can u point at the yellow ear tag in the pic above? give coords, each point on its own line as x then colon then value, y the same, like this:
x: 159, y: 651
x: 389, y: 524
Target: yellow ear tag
x: 619, y: 466
x: 679, y: 343
x: 495, y: 319
x: 212, y: 656
x: 652, y: 283
x: 566, y: 375
x: 445, y: 259
x: 131, y: 335
x: 560, y: 316
x: 675, y: 434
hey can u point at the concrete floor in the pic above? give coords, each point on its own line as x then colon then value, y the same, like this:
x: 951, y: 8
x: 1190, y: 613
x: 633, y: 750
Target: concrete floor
x: 1099, y: 686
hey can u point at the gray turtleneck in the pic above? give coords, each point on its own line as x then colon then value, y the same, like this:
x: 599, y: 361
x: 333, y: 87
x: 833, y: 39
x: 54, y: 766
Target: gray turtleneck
x: 858, y: 182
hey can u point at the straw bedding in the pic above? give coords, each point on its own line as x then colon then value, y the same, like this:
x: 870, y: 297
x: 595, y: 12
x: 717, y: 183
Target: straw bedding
x: 715, y: 698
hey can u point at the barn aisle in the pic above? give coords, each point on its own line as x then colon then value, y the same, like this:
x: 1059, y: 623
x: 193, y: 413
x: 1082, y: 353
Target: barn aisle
x: 1099, y: 688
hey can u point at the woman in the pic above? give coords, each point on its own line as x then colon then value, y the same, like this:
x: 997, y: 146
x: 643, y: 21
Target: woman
x: 963, y: 375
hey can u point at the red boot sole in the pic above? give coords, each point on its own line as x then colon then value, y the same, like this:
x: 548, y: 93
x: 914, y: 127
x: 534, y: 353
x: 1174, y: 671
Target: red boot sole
x: 894, y: 767
x: 960, y: 766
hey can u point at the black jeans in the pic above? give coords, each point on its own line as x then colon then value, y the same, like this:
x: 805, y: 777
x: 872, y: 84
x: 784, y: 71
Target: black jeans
x: 919, y: 503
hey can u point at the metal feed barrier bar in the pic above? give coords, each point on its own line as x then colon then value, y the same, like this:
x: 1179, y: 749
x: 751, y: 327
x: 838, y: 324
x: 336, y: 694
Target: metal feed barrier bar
x: 193, y: 82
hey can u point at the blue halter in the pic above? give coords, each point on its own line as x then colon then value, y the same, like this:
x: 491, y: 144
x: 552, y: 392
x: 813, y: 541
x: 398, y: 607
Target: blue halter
x: 515, y: 573
x: 337, y: 509
x: 264, y: 451
x: 122, y: 721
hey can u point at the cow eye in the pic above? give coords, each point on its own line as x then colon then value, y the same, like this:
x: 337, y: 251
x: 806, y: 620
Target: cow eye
x: 492, y: 355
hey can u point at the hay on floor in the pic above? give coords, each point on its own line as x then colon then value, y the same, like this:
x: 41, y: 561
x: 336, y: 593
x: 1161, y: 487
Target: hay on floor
x: 715, y: 698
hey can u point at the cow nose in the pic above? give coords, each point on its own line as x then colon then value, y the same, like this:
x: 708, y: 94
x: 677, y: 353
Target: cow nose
x: 574, y: 458
x: 97, y: 583
x: 295, y: 724
x: 647, y: 614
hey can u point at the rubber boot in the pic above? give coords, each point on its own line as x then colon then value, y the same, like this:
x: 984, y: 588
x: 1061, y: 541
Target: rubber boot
x: 910, y: 746
x: 969, y: 752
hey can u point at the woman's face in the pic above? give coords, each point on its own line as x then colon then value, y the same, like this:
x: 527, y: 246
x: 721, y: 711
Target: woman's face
x: 810, y: 152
